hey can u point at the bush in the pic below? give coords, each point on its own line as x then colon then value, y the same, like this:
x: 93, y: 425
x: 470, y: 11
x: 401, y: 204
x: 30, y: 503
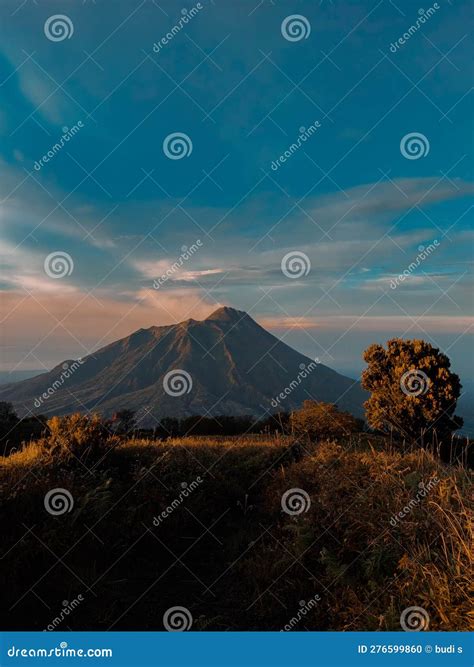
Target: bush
x: 124, y: 422
x: 317, y: 420
x: 83, y: 437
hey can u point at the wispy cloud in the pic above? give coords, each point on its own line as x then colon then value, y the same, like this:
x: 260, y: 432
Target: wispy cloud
x: 387, y: 324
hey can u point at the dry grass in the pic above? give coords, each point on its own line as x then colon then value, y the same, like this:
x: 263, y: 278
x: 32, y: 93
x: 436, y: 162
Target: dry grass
x: 425, y: 559
x: 231, y: 535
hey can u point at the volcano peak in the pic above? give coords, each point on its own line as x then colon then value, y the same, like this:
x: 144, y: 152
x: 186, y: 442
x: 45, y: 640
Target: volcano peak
x: 226, y: 314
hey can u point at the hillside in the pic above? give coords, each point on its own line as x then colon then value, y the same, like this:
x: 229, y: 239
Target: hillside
x: 231, y: 366
x: 207, y: 525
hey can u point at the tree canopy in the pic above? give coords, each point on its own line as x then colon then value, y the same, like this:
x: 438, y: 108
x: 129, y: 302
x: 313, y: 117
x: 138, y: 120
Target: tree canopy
x: 413, y: 391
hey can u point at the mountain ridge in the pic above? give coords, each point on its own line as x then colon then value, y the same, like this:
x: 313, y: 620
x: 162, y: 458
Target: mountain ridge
x: 224, y: 364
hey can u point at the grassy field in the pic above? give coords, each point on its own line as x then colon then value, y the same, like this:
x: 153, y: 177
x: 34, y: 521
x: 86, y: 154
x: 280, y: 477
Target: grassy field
x: 215, y: 525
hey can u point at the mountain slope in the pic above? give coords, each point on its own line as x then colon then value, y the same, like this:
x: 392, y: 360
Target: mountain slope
x: 225, y: 364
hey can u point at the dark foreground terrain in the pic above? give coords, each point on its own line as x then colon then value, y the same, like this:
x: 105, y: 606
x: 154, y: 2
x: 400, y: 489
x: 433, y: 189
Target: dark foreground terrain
x: 207, y: 524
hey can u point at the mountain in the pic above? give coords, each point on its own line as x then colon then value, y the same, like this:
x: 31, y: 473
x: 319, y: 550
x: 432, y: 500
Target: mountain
x: 7, y: 377
x: 225, y: 364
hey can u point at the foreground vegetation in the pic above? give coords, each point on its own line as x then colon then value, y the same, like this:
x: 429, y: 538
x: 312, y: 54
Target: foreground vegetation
x: 200, y: 522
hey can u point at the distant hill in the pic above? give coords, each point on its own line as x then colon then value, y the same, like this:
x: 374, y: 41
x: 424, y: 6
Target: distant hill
x: 7, y: 377
x: 231, y: 366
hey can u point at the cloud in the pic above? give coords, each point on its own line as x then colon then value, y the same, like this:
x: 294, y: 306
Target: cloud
x: 348, y: 271
x: 390, y: 324
x: 364, y: 208
x: 195, y: 275
x: 23, y: 267
x: 70, y: 326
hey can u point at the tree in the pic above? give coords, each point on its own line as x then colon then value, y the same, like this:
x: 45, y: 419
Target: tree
x: 413, y: 391
x: 321, y: 420
x: 8, y: 428
x: 124, y: 421
x: 8, y: 415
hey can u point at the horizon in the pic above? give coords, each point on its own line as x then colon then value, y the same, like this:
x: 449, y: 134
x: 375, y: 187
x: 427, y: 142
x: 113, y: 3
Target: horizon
x: 224, y: 307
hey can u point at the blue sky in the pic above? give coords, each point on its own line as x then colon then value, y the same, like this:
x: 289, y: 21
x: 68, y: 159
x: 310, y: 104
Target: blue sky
x: 347, y: 197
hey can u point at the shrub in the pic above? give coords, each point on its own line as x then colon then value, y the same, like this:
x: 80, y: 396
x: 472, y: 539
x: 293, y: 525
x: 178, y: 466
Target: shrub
x: 319, y: 420
x: 81, y: 436
x: 123, y: 421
